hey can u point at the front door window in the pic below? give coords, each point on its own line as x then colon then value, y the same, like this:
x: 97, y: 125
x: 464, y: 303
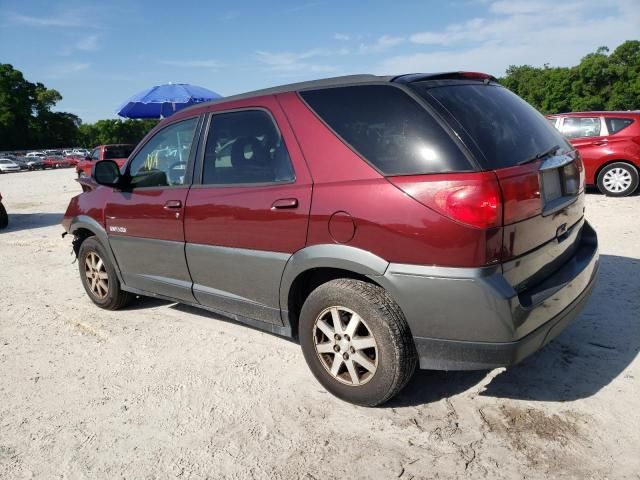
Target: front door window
x: 162, y: 162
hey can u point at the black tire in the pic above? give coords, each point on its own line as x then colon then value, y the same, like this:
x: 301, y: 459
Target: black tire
x: 396, y: 353
x: 4, y: 218
x: 115, y: 297
x: 629, y: 171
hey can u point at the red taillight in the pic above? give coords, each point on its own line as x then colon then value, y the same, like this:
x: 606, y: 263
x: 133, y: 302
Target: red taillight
x: 520, y: 187
x: 475, y: 205
x: 469, y: 198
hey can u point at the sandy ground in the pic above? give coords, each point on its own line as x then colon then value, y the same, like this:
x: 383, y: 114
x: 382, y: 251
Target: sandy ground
x: 161, y: 390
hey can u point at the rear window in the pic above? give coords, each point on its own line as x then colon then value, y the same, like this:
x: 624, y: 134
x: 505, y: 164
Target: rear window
x: 506, y: 129
x: 119, y: 151
x: 388, y: 128
x: 614, y: 125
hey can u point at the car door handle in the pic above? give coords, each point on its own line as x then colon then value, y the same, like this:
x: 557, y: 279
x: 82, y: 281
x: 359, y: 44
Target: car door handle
x: 600, y: 143
x: 172, y: 204
x: 285, y: 203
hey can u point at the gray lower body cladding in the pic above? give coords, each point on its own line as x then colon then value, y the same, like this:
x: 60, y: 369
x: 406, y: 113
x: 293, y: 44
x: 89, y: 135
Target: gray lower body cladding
x: 464, y: 319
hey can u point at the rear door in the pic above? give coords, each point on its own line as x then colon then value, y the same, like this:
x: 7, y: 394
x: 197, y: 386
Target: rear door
x: 249, y: 213
x: 145, y: 222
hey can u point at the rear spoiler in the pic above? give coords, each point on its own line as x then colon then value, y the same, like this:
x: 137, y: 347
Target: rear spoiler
x: 419, y: 77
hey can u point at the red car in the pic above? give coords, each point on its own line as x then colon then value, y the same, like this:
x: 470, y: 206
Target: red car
x: 116, y: 152
x: 54, y: 161
x: 385, y: 222
x: 609, y: 144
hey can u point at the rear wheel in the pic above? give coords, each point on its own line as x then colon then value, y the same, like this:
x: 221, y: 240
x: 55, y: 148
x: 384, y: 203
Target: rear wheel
x: 618, y: 179
x: 356, y: 341
x: 98, y: 276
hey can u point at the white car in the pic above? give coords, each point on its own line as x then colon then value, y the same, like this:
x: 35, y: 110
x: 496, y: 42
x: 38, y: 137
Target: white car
x: 7, y: 166
x: 35, y: 154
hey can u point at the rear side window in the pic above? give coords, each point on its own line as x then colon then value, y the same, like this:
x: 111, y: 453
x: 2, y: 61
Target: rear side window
x: 614, y: 125
x: 117, y: 151
x: 388, y: 128
x: 245, y: 147
x: 579, y: 127
x: 506, y: 129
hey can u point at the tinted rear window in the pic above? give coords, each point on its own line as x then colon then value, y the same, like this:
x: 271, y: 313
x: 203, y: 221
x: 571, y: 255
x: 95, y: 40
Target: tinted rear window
x: 506, y: 129
x: 388, y: 128
x: 614, y: 125
x: 120, y: 151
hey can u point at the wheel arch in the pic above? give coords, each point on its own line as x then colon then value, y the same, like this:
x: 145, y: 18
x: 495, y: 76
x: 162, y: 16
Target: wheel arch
x: 83, y: 227
x: 614, y: 160
x: 312, y: 266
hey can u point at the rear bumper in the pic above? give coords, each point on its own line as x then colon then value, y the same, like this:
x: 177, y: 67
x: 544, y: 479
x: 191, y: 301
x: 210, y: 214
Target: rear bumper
x: 468, y: 319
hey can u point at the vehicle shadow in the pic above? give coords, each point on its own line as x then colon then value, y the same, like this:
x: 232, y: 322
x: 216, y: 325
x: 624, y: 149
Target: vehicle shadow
x: 141, y: 302
x: 585, y: 358
x: 29, y: 221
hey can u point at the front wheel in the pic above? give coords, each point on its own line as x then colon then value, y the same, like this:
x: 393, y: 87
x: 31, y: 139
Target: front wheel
x: 618, y: 179
x: 99, y: 277
x: 356, y: 341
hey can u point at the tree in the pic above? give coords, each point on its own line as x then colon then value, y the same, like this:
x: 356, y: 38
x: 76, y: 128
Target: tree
x: 26, y: 119
x: 601, y: 81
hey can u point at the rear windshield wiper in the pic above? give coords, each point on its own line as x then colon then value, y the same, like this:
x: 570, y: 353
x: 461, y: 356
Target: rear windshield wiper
x: 540, y: 155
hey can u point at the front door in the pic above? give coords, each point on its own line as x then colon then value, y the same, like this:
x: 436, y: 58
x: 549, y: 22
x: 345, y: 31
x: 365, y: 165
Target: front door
x: 249, y: 214
x: 145, y: 222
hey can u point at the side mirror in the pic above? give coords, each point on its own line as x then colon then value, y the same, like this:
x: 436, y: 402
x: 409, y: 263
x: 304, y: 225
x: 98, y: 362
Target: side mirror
x: 87, y: 157
x: 107, y: 172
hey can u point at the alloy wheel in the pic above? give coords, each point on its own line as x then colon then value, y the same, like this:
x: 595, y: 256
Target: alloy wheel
x: 617, y: 180
x: 97, y: 276
x: 345, y: 345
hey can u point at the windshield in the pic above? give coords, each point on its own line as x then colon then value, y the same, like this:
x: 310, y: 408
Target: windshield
x: 118, y: 151
x: 507, y: 130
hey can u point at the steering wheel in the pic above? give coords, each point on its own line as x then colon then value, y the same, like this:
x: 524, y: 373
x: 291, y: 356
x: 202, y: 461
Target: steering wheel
x: 177, y: 172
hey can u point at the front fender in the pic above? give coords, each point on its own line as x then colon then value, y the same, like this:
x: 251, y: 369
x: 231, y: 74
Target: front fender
x: 87, y: 223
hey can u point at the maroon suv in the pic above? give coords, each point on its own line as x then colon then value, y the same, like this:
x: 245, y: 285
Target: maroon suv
x: 383, y: 221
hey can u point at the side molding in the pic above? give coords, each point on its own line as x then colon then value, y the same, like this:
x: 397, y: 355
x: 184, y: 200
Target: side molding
x: 327, y: 256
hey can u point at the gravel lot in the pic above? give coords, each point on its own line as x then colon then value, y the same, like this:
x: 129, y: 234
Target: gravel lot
x: 161, y: 390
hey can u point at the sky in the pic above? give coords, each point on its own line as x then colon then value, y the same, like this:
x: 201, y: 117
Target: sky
x: 99, y: 54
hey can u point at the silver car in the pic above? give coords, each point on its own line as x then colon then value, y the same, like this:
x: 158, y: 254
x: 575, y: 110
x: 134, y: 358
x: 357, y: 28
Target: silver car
x: 7, y: 166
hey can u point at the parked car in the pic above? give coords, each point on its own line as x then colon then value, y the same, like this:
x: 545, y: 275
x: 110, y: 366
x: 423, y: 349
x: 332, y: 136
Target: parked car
x: 54, y: 161
x: 36, y: 154
x: 609, y: 143
x: 116, y: 152
x: 73, y: 160
x: 22, y: 162
x: 34, y: 163
x: 385, y: 222
x: 8, y: 166
x: 4, y: 218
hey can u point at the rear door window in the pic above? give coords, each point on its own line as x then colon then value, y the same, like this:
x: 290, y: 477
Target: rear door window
x: 614, y: 125
x: 580, y: 127
x: 245, y: 147
x: 506, y: 129
x: 389, y: 129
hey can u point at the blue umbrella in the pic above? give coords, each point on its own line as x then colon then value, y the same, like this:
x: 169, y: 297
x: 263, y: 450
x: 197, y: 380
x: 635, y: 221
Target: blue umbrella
x: 164, y: 100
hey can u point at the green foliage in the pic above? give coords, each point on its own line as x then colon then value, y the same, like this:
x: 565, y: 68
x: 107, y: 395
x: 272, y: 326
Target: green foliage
x: 114, y: 131
x: 28, y: 122
x: 601, y: 81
